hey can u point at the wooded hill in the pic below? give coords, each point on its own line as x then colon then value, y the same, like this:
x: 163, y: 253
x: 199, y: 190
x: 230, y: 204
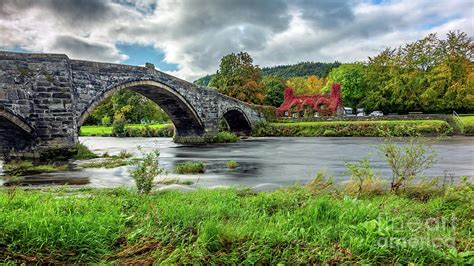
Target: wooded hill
x: 302, y: 69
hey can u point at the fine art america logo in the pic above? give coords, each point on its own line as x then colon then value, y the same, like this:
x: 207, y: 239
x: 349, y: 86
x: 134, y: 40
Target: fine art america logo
x: 423, y: 233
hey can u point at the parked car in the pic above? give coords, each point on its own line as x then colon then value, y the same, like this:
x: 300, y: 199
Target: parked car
x: 376, y: 113
x: 361, y: 114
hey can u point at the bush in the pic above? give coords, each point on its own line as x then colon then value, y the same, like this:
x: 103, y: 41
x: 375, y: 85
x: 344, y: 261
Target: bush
x: 118, y: 127
x: 105, y: 121
x: 226, y: 137
x: 189, y: 168
x: 145, y: 171
x: 361, y: 173
x: 407, y: 161
x: 232, y: 164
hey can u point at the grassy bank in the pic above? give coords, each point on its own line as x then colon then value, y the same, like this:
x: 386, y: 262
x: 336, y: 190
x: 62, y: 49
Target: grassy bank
x: 154, y: 130
x: 227, y: 226
x: 468, y: 122
x: 354, y: 128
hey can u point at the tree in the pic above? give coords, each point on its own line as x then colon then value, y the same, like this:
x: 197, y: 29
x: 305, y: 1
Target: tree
x: 134, y: 107
x: 274, y: 88
x: 315, y: 84
x: 352, y: 79
x: 429, y: 75
x: 237, y: 77
x: 299, y: 85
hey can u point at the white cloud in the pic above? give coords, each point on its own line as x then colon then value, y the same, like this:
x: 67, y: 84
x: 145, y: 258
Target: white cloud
x: 195, y: 34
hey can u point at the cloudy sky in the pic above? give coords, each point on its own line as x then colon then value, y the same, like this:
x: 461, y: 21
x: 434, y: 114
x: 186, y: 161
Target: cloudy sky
x: 187, y: 38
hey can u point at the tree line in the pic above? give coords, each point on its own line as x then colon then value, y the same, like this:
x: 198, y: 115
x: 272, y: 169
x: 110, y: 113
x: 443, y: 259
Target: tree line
x: 429, y: 75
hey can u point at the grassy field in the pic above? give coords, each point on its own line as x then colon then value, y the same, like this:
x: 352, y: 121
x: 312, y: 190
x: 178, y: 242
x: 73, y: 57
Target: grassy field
x: 355, y: 128
x: 88, y: 131
x: 230, y: 226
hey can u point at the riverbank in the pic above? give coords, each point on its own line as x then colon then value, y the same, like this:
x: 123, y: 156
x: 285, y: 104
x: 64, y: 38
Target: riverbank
x: 312, y: 224
x: 133, y: 130
x: 354, y: 128
x: 468, y: 123
x: 291, y: 128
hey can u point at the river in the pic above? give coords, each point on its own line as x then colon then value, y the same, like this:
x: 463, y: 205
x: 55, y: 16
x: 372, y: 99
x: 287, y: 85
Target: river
x: 261, y: 161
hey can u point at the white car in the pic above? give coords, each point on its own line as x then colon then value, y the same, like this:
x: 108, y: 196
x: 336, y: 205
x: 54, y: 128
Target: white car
x: 360, y: 114
x: 376, y: 113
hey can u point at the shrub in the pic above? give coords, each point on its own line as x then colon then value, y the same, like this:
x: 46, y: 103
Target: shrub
x: 361, y: 173
x: 189, y: 167
x: 118, y: 127
x: 226, y: 137
x: 82, y: 152
x: 407, y: 161
x: 105, y: 121
x: 145, y: 171
x: 232, y: 164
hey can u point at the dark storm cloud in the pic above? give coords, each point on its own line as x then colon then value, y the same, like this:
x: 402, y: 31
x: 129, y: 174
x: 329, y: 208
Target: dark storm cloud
x: 70, y: 12
x: 326, y: 13
x: 79, y: 48
x: 195, y: 34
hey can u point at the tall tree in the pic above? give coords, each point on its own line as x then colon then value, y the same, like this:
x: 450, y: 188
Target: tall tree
x: 274, y: 89
x: 352, y: 79
x: 237, y: 77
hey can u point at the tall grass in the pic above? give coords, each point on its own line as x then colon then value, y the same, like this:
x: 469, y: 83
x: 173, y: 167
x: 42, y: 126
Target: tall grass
x: 189, y: 167
x: 231, y: 226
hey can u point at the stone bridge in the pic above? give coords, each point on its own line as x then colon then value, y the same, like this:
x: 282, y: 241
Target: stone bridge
x: 45, y: 98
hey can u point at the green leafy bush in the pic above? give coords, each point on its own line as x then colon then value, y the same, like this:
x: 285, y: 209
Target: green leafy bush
x: 226, y: 137
x: 105, y: 121
x: 407, y: 161
x: 118, y: 127
x: 145, y: 171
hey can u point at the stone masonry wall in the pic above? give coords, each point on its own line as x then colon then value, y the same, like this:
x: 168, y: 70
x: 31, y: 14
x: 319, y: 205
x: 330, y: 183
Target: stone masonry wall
x: 53, y: 95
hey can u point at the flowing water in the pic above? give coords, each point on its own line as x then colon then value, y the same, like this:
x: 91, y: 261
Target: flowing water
x: 265, y: 162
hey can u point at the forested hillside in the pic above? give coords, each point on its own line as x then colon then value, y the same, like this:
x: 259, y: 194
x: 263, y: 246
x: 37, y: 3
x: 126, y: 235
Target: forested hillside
x: 302, y: 69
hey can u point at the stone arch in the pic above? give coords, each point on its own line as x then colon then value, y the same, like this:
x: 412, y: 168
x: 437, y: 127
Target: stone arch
x: 184, y: 117
x: 15, y: 132
x: 237, y: 121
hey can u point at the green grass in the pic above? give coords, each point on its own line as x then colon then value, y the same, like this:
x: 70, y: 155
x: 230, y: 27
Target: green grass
x: 355, y: 128
x: 89, y: 131
x: 22, y: 168
x: 82, y: 152
x: 468, y: 124
x: 107, y: 163
x: 232, y: 164
x: 189, y: 167
x: 232, y: 226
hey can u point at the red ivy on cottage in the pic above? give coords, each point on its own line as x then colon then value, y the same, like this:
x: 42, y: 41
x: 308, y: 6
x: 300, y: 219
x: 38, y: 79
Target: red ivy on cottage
x: 324, y: 104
